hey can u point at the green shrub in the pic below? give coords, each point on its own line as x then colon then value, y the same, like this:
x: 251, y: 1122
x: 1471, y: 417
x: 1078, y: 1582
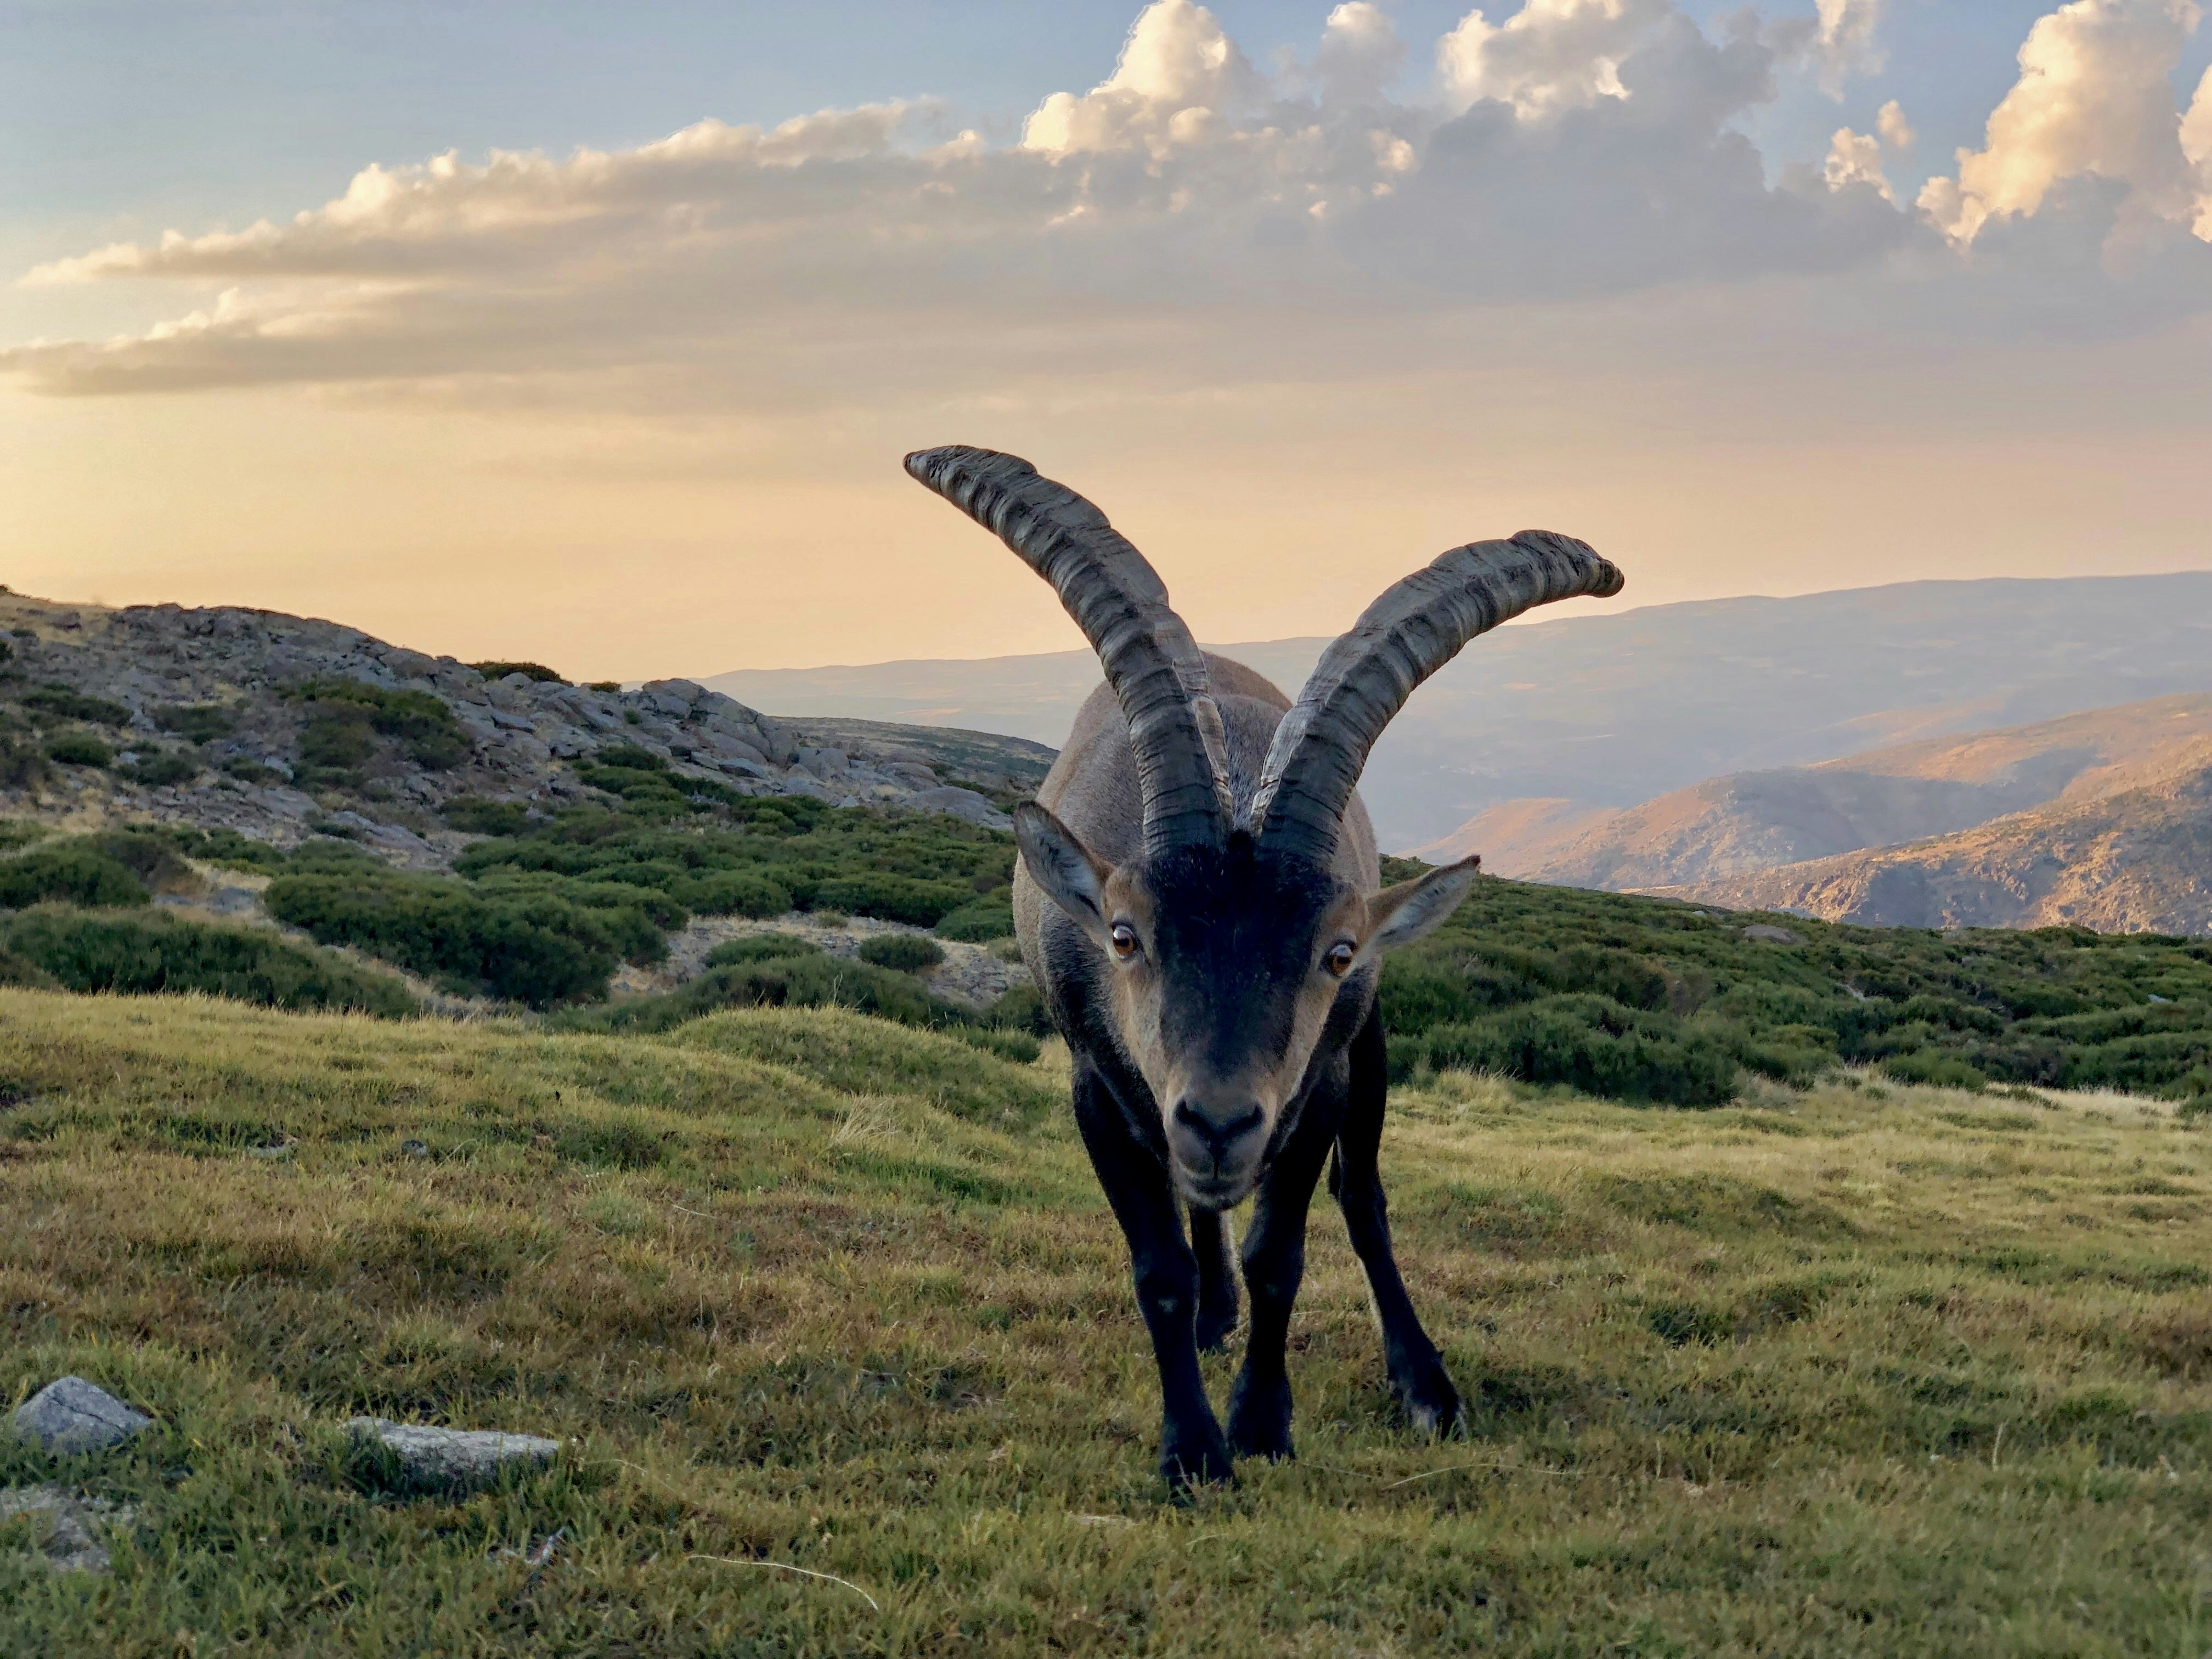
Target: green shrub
x: 222, y: 846
x: 733, y: 893
x: 197, y: 722
x: 144, y: 952
x: 979, y: 921
x: 532, y: 947
x: 23, y: 765
x: 500, y: 670
x: 472, y: 815
x: 78, y: 749
x: 344, y: 719
x: 811, y: 979
x: 71, y: 873
x: 1591, y: 1043
x: 906, y: 953
x: 760, y: 947
x: 252, y: 771
x: 156, y: 767
x: 889, y: 898
x: 59, y: 703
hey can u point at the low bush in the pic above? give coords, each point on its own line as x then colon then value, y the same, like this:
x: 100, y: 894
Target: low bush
x: 142, y: 953
x: 346, y: 718
x: 760, y: 947
x: 906, y: 953
x: 59, y: 703
x: 538, y: 948
x: 472, y: 815
x: 157, y: 768
x: 78, y: 749
x: 979, y: 921
x: 72, y: 872
x: 1591, y: 1044
x: 536, y: 671
x: 197, y: 722
x: 732, y: 893
x: 23, y: 765
x: 888, y: 897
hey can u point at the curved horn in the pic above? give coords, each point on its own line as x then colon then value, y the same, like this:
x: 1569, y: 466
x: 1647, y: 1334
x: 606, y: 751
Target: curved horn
x: 1117, y: 600
x: 1363, y: 679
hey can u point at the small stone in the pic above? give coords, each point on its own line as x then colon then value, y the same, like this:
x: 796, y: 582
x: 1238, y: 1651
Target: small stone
x: 69, y: 1539
x: 1767, y: 935
x: 70, y: 1415
x: 452, y: 1459
x: 416, y: 1148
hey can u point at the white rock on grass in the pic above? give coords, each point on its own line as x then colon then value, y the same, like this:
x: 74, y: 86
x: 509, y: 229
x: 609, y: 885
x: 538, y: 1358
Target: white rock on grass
x: 72, y: 1415
x: 69, y: 1526
x: 456, y: 1459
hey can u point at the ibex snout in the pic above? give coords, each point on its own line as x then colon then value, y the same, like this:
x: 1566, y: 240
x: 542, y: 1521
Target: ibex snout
x: 1216, y: 1139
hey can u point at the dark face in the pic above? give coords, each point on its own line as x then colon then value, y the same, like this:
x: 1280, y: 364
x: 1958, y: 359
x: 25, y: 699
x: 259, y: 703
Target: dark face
x: 1221, y: 968
x: 1225, y: 965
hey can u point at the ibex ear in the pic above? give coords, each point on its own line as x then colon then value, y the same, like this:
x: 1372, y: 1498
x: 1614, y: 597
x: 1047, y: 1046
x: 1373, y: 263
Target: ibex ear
x: 1072, y: 875
x: 1399, y: 915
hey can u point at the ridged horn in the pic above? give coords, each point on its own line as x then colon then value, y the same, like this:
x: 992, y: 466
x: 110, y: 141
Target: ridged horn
x: 1119, y: 602
x: 1363, y: 679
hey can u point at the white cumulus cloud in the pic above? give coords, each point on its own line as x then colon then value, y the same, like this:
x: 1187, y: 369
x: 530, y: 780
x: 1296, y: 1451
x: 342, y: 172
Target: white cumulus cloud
x: 1550, y: 56
x: 2094, y: 98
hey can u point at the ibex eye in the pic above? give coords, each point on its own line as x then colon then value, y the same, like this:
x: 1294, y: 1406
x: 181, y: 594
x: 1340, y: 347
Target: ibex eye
x: 1339, y: 959
x: 1125, y: 940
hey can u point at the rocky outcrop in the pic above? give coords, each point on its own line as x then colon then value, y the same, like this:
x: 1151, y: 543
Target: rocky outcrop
x: 139, y: 673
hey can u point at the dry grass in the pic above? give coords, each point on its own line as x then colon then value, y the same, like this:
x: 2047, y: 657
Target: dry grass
x: 1867, y: 1370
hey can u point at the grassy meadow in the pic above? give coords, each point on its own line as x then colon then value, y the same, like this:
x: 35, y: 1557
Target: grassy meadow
x: 1865, y: 1368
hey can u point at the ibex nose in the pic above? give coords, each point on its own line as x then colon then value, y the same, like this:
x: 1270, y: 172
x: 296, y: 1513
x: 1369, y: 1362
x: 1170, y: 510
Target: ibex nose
x: 1209, y: 1138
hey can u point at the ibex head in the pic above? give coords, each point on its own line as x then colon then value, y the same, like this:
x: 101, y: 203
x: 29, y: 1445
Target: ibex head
x: 1236, y: 944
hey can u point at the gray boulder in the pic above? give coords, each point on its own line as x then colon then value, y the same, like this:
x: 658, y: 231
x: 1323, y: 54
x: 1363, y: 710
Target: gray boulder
x: 72, y: 1415
x: 453, y: 1459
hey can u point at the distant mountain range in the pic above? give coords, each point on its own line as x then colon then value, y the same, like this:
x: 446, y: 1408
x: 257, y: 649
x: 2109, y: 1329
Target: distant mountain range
x: 1560, y: 722
x: 2136, y: 859
x: 1734, y: 826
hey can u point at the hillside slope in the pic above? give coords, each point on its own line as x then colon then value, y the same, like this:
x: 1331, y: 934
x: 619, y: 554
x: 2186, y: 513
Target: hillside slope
x: 272, y: 726
x: 1613, y: 710
x: 838, y: 1335
x: 2135, y: 861
x: 1747, y: 822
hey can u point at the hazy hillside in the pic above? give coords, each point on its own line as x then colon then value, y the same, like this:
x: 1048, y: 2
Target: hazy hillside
x: 2139, y: 861
x: 1751, y: 821
x: 1613, y: 710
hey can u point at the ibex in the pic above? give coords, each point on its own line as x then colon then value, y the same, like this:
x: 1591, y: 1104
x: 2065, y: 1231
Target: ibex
x: 1211, y: 944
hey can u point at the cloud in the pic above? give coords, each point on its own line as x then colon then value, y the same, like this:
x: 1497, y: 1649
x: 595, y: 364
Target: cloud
x: 1550, y: 56
x: 2094, y: 99
x: 1855, y: 158
x: 1845, y: 44
x: 1896, y: 131
x: 1359, y: 56
x: 1179, y: 223
x: 1180, y: 78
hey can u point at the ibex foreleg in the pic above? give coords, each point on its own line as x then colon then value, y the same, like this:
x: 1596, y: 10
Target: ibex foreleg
x: 1415, y: 1371
x: 1192, y: 1449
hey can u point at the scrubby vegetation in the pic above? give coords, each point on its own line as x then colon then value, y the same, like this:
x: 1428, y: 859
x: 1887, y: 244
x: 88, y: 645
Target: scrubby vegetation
x: 1648, y: 1000
x: 1858, y: 1371
x: 73, y: 913
x: 142, y: 953
x: 344, y: 720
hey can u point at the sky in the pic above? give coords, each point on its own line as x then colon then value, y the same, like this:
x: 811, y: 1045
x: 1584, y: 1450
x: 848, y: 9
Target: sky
x: 594, y: 335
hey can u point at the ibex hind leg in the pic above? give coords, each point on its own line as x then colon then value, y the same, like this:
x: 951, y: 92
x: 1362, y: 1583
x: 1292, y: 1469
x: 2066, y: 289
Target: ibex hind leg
x: 1217, y: 1279
x: 1417, y: 1372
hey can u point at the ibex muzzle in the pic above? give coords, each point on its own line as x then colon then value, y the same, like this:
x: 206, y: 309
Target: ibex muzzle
x: 1198, y: 897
